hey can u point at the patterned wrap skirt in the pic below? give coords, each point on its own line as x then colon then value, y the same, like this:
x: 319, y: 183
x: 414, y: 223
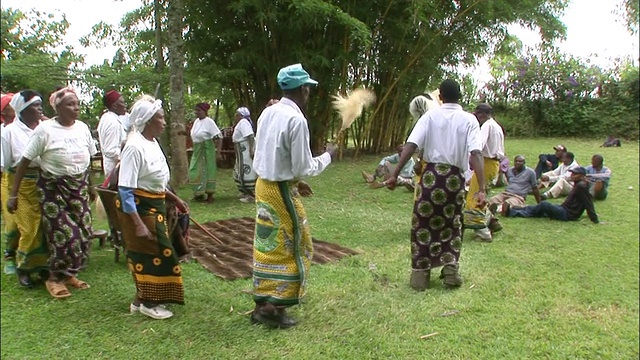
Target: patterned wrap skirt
x: 66, y: 221
x: 436, y: 234
x: 152, y: 262
x: 282, y: 247
x: 243, y: 173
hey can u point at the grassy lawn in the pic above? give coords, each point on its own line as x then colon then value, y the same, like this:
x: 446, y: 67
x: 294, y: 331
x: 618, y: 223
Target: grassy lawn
x: 542, y: 289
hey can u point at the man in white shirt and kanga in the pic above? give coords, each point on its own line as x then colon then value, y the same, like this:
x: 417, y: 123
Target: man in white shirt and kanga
x: 282, y: 247
x: 477, y: 216
x: 111, y: 130
x: 447, y: 136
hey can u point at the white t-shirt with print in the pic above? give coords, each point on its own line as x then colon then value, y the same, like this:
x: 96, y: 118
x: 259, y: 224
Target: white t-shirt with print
x: 63, y: 150
x: 143, y: 165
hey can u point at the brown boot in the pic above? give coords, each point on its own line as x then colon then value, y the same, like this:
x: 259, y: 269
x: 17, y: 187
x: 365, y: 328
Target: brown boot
x: 419, y: 280
x: 494, y: 225
x: 450, y: 277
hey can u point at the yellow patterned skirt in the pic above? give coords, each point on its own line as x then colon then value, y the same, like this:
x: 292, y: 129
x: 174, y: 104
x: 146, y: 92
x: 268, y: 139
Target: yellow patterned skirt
x: 478, y: 217
x: 282, y: 247
x: 417, y: 177
x: 32, y: 252
x: 11, y: 234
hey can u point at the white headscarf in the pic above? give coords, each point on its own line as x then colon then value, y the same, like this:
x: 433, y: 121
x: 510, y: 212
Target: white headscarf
x: 421, y: 104
x: 143, y: 111
x: 244, y: 112
x: 418, y: 106
x: 18, y: 103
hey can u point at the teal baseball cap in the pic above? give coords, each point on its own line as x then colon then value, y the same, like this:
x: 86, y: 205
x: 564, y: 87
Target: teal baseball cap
x: 294, y: 76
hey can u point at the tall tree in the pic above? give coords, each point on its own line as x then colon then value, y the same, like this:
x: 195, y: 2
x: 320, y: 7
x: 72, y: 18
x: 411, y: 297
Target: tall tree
x: 179, y: 162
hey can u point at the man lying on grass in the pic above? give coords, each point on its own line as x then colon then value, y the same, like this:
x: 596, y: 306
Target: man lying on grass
x: 385, y: 168
x: 571, y: 209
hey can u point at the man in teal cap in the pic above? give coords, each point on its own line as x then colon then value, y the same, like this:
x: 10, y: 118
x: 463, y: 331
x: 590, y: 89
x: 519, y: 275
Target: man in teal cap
x: 282, y: 247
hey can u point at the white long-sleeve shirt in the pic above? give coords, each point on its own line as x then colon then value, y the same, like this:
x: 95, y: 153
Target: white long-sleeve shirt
x: 111, y: 135
x: 492, y: 140
x: 282, y: 145
x: 562, y: 171
x: 447, y: 135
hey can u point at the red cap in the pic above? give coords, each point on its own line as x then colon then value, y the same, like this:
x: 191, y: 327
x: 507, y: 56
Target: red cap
x: 111, y: 97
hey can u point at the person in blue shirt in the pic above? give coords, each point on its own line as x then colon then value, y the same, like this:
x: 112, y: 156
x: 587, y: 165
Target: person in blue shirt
x: 598, y: 177
x: 385, y: 168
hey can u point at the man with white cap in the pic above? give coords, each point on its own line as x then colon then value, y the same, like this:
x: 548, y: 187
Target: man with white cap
x: 282, y: 247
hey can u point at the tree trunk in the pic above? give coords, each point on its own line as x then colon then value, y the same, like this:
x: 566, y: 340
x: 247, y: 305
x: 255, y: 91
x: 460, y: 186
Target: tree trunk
x: 179, y: 162
x: 158, y: 13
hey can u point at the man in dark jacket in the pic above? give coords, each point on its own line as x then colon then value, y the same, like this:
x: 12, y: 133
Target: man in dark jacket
x: 578, y: 200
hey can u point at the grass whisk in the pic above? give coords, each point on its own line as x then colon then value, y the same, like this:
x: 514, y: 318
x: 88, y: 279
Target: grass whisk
x: 351, y: 107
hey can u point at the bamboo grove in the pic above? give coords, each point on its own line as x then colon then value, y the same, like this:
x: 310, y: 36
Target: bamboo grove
x: 398, y: 48
x: 232, y: 49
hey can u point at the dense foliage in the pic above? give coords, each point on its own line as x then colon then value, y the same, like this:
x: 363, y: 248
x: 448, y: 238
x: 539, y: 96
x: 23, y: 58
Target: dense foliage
x: 398, y: 48
x: 547, y: 93
x: 29, y: 58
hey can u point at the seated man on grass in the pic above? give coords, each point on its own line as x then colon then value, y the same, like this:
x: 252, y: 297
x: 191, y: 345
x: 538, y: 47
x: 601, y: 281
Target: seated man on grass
x: 571, y: 209
x: 521, y: 180
x: 560, y: 178
x: 385, y: 169
x: 548, y: 162
x: 598, y: 177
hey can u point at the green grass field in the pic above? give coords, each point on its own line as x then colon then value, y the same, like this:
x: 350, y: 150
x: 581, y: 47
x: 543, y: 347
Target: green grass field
x: 542, y: 290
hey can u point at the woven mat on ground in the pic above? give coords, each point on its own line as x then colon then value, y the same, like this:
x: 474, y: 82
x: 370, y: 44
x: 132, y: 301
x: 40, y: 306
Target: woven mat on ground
x: 233, y: 258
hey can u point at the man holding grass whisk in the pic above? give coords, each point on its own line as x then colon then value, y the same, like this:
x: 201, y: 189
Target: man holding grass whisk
x: 282, y: 247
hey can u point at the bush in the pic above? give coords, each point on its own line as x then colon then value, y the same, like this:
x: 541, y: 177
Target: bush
x: 552, y: 94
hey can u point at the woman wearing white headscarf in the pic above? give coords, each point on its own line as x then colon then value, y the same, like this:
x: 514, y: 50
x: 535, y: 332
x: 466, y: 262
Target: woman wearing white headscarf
x: 419, y: 106
x: 143, y: 187
x: 64, y: 146
x: 31, y: 253
x: 243, y: 139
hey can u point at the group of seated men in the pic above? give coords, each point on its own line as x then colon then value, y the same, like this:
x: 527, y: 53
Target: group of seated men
x: 555, y: 175
x: 580, y: 185
x: 554, y: 172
